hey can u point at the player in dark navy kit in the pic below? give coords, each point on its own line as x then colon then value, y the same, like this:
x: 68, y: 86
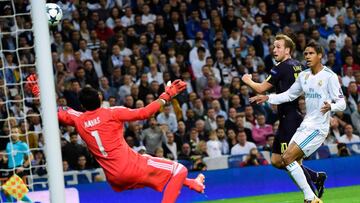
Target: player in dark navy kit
x: 282, y: 76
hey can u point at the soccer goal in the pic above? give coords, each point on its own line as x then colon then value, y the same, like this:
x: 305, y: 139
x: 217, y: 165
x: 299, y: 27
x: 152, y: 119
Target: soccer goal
x: 28, y: 125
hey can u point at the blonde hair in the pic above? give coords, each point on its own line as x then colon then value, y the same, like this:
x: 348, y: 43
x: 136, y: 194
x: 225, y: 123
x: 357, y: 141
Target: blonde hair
x: 289, y: 43
x: 213, y: 133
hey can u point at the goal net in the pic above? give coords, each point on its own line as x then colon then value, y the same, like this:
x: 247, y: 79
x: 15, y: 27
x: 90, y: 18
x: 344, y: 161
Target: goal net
x: 22, y: 145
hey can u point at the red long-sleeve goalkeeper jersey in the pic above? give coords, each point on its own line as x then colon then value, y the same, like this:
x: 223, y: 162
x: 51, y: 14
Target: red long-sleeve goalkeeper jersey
x: 102, y: 131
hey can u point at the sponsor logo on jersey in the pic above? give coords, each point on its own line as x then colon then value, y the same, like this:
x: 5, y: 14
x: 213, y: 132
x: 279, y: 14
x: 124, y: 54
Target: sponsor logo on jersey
x: 273, y: 71
x: 312, y: 94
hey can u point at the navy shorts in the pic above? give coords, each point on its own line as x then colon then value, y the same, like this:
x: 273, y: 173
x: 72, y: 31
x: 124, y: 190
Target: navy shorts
x: 287, y: 128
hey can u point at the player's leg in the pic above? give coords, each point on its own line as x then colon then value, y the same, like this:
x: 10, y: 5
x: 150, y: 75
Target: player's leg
x: 163, y: 172
x: 196, y: 184
x: 276, y: 161
x: 318, y: 178
x: 175, y: 184
x: 286, y: 131
x: 289, y: 158
x: 179, y: 179
x: 304, y: 142
x: 277, y: 150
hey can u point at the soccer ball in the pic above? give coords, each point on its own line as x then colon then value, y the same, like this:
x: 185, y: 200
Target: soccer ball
x: 54, y: 13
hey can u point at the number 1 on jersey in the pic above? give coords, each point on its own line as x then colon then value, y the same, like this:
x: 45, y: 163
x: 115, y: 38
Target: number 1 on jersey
x: 96, y: 135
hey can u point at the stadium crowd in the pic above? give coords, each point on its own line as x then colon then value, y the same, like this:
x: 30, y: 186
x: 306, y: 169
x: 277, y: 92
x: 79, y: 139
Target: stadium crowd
x: 129, y: 49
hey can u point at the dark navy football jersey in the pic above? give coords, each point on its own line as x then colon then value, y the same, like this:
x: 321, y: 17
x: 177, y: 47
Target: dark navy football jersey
x: 282, y: 76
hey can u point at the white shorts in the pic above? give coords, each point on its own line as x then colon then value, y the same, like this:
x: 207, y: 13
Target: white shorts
x: 309, y: 140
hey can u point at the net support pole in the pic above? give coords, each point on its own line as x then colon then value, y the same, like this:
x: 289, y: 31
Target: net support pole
x: 48, y: 101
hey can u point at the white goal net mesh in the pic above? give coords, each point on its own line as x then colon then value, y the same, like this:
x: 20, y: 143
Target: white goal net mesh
x: 21, y: 141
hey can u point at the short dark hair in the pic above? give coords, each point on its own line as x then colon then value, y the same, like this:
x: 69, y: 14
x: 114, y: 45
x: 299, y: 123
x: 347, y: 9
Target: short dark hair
x: 89, y: 98
x: 316, y: 46
x: 201, y: 49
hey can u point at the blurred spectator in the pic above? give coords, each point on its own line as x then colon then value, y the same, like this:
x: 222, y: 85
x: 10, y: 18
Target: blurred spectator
x: 81, y: 163
x: 230, y: 123
x: 4, y: 164
x: 189, y: 104
x: 269, y: 143
x: 210, y: 120
x: 343, y: 118
x: 185, y: 153
x: 159, y: 152
x: 39, y: 163
x: 154, y: 74
x: 213, y: 145
x: 194, y: 139
x: 243, y: 146
x: 338, y: 36
x: 261, y: 130
x: 254, y: 159
x: 224, y: 100
x: 355, y: 119
x: 169, y: 147
x: 220, y: 121
x: 201, y: 149
x: 200, y: 127
x: 332, y: 63
x: 153, y: 136
x: 106, y: 89
x: 66, y: 166
x: 354, y: 97
x: 225, y: 149
x: 335, y: 131
x: 343, y: 151
x: 166, y: 117
x: 72, y: 151
x: 29, y: 137
x: 71, y: 95
x: 349, y: 137
x: 128, y: 18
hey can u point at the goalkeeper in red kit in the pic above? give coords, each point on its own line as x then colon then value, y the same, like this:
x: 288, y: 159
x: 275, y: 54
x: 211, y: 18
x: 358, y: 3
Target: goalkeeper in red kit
x: 102, y: 130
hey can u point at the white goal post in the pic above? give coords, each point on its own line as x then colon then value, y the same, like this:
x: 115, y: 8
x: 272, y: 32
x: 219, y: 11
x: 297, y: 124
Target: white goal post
x: 48, y: 101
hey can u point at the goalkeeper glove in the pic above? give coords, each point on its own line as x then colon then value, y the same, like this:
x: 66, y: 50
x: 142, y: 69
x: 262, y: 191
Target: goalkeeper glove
x: 172, y: 90
x: 32, y: 85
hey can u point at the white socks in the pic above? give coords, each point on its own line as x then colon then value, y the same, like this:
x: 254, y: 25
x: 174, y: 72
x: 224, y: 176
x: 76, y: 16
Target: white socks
x: 298, y: 175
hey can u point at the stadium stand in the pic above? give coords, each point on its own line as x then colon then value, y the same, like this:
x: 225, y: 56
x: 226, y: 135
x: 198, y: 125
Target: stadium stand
x: 129, y: 49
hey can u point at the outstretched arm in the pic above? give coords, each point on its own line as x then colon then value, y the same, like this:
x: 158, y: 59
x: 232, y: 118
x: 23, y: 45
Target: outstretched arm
x: 171, y: 90
x: 65, y: 114
x: 291, y: 94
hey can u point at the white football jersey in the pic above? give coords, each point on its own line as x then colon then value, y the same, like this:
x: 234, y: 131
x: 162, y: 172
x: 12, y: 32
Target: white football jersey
x: 324, y: 86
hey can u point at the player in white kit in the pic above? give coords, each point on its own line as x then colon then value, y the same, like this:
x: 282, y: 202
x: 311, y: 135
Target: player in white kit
x: 323, y: 94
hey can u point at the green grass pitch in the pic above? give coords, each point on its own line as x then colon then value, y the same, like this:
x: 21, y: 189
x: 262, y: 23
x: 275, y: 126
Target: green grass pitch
x: 349, y: 194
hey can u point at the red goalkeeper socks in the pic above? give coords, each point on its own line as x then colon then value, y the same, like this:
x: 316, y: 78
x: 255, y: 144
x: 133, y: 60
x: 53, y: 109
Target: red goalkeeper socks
x: 174, y: 186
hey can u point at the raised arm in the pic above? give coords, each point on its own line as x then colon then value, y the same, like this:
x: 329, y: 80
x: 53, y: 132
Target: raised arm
x: 64, y: 113
x: 258, y: 87
x: 127, y: 114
